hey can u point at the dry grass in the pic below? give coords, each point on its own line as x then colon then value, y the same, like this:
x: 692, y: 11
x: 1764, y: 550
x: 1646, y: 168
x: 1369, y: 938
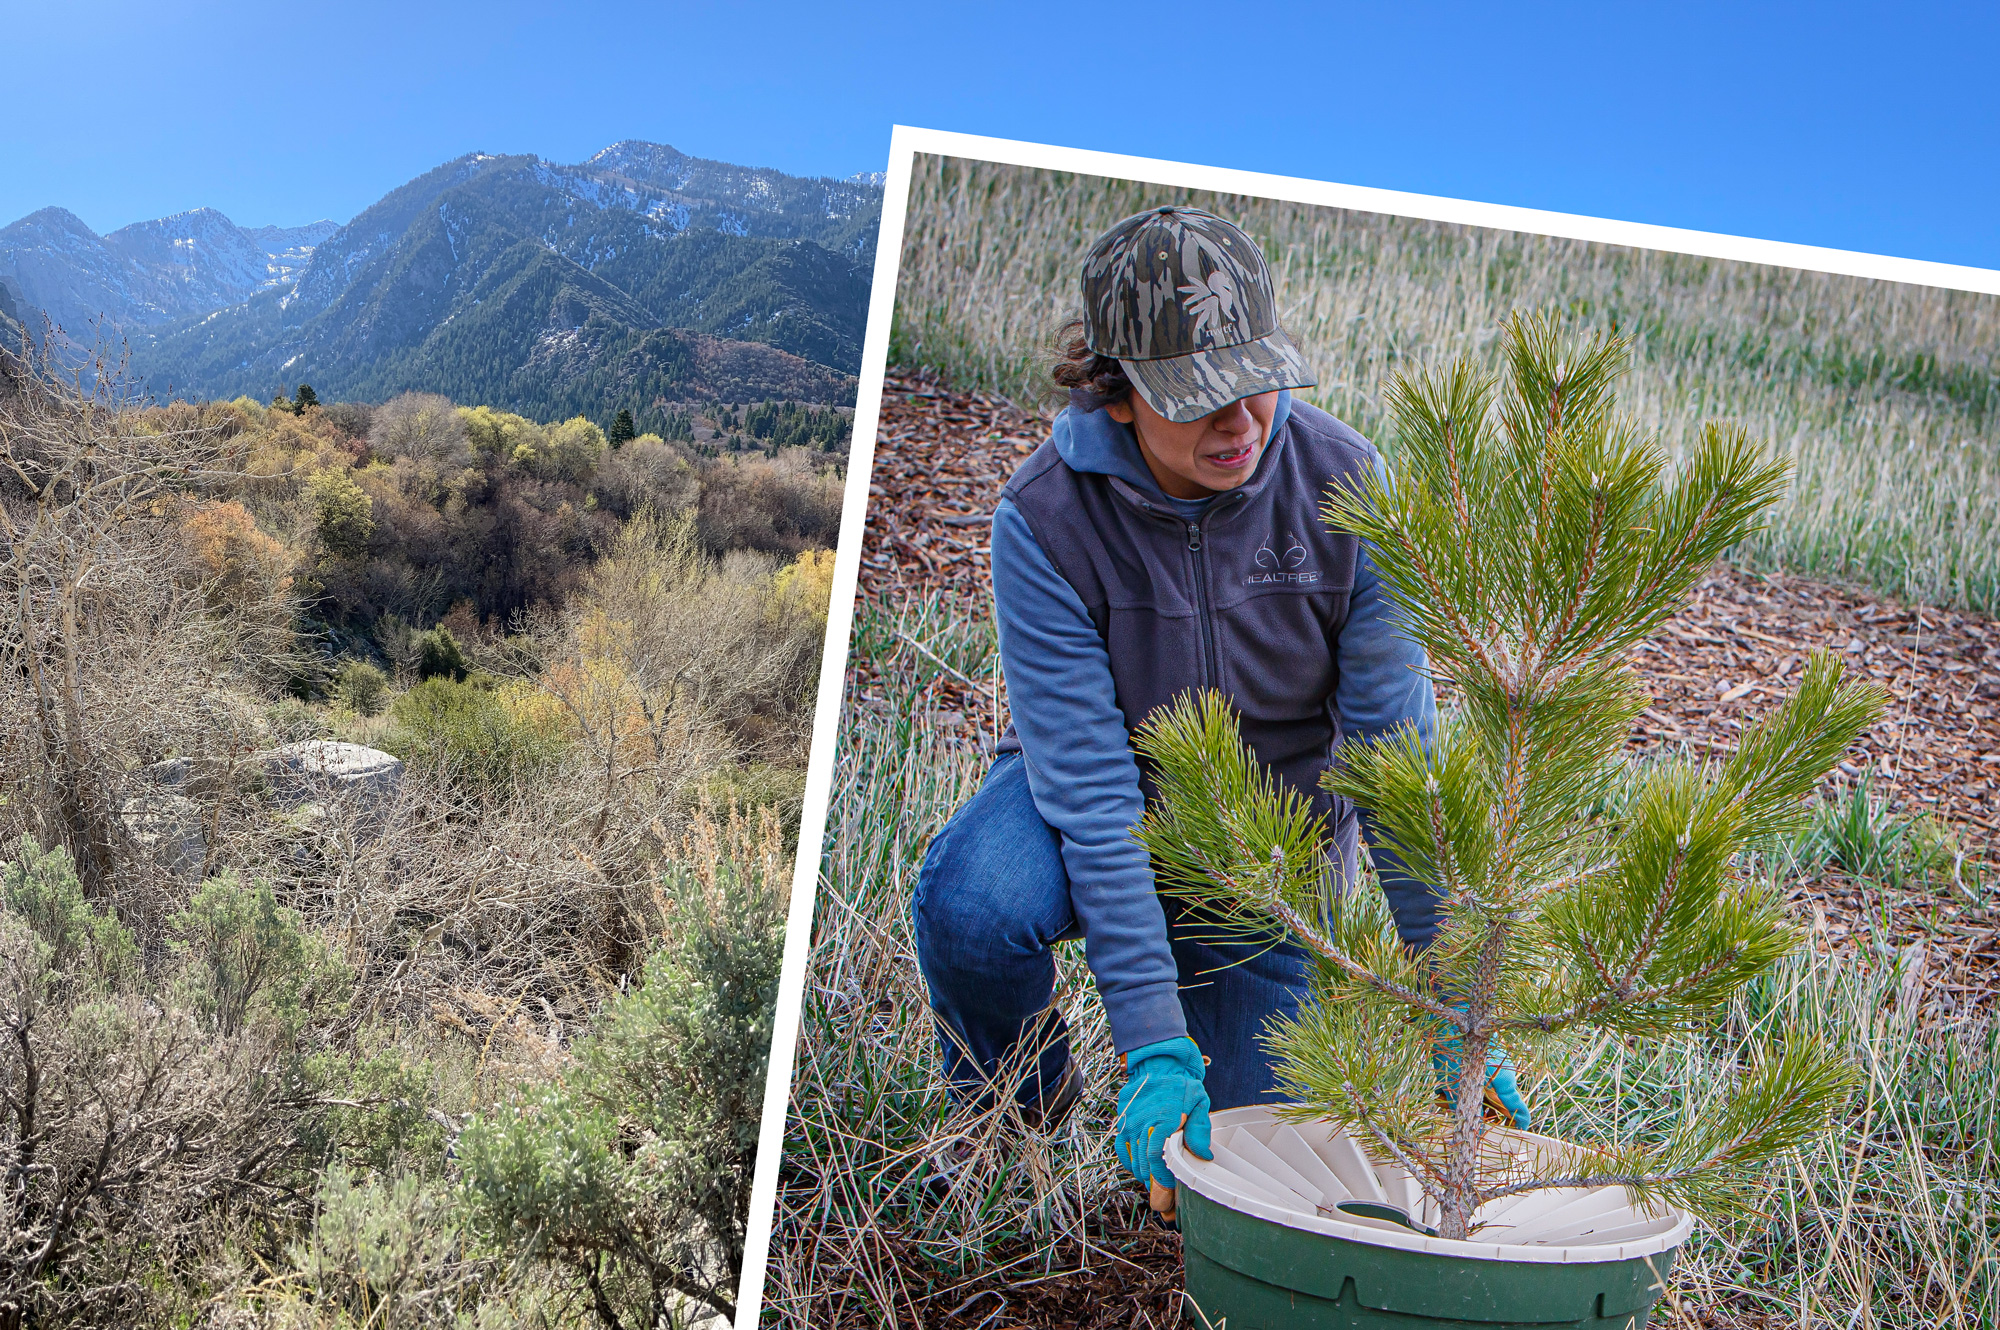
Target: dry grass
x: 883, y: 1222
x: 1892, y: 1219
x: 1886, y: 395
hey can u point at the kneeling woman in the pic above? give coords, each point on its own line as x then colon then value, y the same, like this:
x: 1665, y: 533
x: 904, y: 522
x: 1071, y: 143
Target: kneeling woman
x: 1165, y: 538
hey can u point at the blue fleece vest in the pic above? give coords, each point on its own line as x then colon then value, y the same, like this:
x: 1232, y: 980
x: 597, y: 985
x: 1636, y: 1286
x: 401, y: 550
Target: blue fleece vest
x: 1247, y: 599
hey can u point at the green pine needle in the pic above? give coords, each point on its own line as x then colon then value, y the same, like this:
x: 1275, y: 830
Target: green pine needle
x: 1530, y: 538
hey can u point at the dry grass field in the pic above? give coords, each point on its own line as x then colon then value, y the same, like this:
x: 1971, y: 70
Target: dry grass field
x: 1886, y: 396
x: 1892, y: 1219
x: 898, y: 1211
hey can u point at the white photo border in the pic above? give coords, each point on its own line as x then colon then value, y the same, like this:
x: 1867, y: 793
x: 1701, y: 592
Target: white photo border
x: 825, y: 733
x: 905, y: 143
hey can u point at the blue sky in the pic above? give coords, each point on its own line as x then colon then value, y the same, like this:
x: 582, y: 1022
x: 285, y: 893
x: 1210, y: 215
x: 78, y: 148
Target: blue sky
x: 1869, y: 127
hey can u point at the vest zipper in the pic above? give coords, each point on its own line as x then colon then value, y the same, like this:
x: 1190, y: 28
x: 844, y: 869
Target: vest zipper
x: 1211, y: 664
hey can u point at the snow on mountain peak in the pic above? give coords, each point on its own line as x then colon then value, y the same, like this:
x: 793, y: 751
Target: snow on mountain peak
x: 149, y: 272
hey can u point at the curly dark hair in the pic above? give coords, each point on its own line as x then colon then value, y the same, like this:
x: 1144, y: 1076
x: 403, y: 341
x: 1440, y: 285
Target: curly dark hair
x: 1091, y: 380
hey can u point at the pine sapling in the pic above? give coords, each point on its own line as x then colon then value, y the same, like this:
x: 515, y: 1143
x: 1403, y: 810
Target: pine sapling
x: 1531, y: 539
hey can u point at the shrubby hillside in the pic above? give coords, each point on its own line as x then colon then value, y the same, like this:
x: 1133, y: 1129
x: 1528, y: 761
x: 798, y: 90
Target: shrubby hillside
x: 388, y: 518
x: 394, y: 810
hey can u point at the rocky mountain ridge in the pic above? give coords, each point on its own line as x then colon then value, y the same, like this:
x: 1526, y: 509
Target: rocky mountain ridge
x: 149, y: 273
x: 505, y: 279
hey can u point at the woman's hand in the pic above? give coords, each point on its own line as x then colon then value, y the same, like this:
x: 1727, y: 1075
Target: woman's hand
x: 1163, y: 1094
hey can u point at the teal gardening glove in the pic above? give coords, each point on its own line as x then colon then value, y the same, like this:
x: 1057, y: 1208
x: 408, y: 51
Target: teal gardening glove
x: 1501, y: 1082
x: 1162, y: 1093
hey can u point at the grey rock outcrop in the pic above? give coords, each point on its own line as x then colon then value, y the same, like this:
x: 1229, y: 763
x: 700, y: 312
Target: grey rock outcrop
x: 317, y: 768
x: 163, y: 824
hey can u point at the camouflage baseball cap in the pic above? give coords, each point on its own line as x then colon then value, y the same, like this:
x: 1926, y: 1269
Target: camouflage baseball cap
x: 1183, y: 300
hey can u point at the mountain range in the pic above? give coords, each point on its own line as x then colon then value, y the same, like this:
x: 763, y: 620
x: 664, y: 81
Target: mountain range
x: 148, y: 273
x: 640, y: 277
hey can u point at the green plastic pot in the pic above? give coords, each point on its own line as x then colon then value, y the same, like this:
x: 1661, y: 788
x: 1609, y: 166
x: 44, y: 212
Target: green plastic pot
x: 1294, y: 1228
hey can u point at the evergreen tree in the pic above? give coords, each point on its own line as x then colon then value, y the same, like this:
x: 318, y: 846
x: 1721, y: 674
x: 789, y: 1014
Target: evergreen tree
x: 440, y: 656
x: 1531, y: 541
x: 794, y: 424
x: 622, y: 431
x: 306, y: 398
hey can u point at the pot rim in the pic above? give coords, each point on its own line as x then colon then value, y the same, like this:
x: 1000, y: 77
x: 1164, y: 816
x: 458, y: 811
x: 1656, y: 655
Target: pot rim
x: 1206, y: 1178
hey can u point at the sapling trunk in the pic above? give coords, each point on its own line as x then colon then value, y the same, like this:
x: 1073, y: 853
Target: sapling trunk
x: 1530, y: 540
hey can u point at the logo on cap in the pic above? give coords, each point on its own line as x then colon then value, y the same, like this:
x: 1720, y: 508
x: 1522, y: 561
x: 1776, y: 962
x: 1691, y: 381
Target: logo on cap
x: 1212, y: 304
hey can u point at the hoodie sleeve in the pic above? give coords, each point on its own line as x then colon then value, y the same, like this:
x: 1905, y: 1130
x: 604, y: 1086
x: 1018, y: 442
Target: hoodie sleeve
x: 1385, y: 685
x: 1085, y: 782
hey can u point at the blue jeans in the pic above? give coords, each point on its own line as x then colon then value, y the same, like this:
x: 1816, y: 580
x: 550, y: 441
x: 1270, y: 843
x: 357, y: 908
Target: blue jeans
x: 992, y: 900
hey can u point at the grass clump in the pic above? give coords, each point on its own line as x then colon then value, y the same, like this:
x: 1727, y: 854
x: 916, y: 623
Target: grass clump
x: 1857, y: 832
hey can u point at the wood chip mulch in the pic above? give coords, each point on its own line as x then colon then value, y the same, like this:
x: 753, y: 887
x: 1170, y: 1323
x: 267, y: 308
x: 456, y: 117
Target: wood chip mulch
x: 1729, y: 656
x: 1134, y: 1283
x: 1732, y: 654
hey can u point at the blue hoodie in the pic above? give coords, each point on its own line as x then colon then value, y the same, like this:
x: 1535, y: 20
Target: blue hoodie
x: 1080, y: 766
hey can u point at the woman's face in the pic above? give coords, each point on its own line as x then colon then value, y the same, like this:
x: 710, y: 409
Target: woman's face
x: 1201, y: 457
